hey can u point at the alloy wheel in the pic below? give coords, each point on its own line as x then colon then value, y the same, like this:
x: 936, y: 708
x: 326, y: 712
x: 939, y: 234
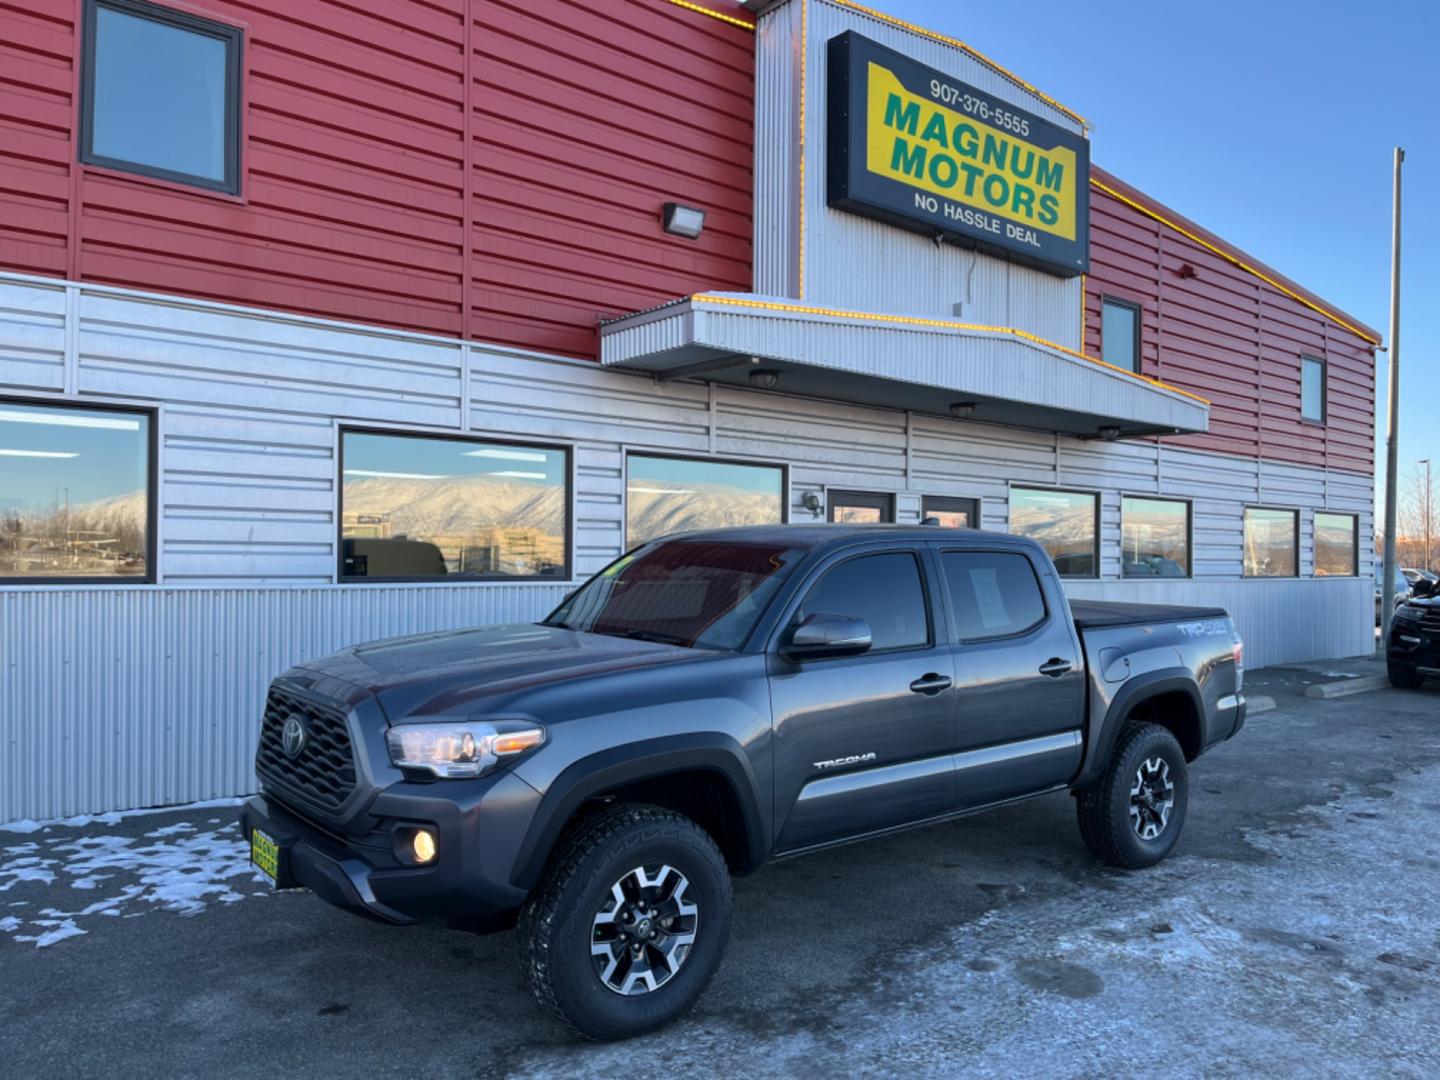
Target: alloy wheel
x: 1152, y: 797
x: 644, y: 930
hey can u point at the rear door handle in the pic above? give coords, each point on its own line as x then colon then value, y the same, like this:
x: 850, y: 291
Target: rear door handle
x: 931, y: 684
x: 1055, y: 667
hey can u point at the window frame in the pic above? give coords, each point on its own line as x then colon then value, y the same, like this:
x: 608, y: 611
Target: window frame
x: 705, y: 459
x: 1324, y: 416
x: 233, y: 37
x: 567, y: 527
x: 1139, y: 311
x: 1294, y: 513
x: 884, y: 501
x: 1354, y: 542
x: 1189, y: 533
x: 942, y: 549
x: 1096, y: 496
x: 152, y: 491
x: 796, y: 603
x: 972, y: 507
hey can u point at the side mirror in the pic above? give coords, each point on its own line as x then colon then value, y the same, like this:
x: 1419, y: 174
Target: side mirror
x: 823, y: 636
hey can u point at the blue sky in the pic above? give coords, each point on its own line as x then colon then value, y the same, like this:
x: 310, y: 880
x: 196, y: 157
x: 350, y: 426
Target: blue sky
x: 1270, y: 122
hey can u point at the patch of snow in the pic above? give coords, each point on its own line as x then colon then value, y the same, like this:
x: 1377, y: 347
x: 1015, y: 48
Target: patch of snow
x: 60, y: 929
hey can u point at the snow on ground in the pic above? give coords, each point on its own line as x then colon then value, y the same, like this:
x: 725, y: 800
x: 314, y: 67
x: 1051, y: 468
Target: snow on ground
x: 181, y: 867
x: 111, y: 817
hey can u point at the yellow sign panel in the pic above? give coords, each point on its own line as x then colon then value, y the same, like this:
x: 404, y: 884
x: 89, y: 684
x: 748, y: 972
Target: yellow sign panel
x: 989, y: 166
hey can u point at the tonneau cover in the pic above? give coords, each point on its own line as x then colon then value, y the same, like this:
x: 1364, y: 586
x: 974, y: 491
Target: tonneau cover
x: 1099, y: 613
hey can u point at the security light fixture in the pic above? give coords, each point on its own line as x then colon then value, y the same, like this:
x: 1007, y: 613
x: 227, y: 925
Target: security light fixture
x: 1109, y: 433
x: 687, y: 221
x: 961, y: 410
x: 764, y: 378
x: 810, y: 501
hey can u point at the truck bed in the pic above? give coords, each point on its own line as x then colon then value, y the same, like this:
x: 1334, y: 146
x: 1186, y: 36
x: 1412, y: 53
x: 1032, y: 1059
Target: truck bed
x: 1098, y: 613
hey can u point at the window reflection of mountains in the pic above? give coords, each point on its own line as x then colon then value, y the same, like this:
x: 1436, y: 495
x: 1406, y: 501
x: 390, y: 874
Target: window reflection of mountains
x: 104, y: 537
x: 658, y: 509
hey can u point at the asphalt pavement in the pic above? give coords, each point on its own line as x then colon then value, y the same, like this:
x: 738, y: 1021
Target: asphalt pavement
x: 1295, y: 931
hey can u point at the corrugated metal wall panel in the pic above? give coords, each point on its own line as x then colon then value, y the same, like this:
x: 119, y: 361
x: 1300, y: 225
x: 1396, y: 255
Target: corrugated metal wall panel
x: 1223, y: 333
x: 122, y: 697
x: 32, y: 336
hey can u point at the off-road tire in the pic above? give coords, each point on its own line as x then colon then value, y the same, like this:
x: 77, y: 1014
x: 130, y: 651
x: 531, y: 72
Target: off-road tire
x: 1103, y: 808
x: 556, y: 922
x: 1403, y: 676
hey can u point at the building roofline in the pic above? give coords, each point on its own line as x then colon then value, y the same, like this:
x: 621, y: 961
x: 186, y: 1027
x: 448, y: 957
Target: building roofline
x: 1153, y: 208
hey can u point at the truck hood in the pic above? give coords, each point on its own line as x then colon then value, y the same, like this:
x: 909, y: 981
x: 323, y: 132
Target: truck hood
x: 459, y: 672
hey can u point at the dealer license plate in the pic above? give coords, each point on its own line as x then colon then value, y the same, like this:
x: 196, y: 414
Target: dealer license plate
x: 265, y: 854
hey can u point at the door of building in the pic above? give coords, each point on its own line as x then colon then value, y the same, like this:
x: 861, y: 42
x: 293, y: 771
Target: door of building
x: 860, y: 507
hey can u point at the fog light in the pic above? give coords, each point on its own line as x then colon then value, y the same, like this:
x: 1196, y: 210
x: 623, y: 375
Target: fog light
x: 423, y: 846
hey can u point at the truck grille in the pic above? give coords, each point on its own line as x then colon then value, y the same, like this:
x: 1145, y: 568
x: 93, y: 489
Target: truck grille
x: 322, y: 774
x: 1431, y: 619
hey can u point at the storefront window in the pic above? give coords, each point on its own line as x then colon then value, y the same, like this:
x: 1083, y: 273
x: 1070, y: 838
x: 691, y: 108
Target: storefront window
x: 1337, y: 548
x: 665, y: 495
x: 74, y: 493
x: 951, y: 513
x: 421, y: 507
x: 1272, y: 542
x: 1064, y: 523
x: 1154, y: 537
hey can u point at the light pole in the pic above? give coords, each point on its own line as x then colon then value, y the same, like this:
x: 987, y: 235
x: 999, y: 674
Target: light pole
x: 1428, y: 504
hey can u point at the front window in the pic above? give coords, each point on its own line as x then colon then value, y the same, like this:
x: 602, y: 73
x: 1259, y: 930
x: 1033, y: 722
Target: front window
x: 161, y: 94
x: 884, y: 589
x: 665, y: 495
x: 1337, y: 546
x: 1120, y: 333
x: 1064, y: 523
x: 75, y: 498
x: 416, y: 506
x: 696, y: 593
x: 1272, y: 542
x: 1154, y: 537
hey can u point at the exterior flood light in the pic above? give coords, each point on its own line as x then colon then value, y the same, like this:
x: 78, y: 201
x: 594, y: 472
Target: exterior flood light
x: 764, y: 378
x: 1109, y: 433
x: 960, y: 410
x: 687, y: 221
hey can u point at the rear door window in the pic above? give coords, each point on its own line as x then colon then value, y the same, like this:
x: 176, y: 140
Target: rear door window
x: 994, y: 593
x: 885, y: 590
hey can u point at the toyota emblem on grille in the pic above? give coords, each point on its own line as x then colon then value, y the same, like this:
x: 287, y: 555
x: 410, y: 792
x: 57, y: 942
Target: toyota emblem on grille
x: 292, y: 736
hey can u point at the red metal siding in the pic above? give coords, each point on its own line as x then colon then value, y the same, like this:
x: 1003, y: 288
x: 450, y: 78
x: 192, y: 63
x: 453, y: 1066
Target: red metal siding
x: 373, y: 191
x: 1224, y: 333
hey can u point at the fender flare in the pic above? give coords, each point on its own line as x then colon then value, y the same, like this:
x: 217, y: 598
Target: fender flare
x: 619, y: 765
x: 1136, y: 692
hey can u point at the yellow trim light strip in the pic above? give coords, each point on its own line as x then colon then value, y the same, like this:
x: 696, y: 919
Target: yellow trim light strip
x: 939, y: 324
x: 1148, y: 212
x: 731, y: 19
x: 970, y: 50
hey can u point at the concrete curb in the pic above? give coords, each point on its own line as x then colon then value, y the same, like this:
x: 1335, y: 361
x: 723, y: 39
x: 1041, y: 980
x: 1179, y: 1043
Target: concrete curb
x: 1258, y: 704
x: 1346, y: 687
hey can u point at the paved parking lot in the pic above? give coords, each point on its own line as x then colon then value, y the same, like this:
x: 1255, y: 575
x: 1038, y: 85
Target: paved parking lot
x: 1296, y: 931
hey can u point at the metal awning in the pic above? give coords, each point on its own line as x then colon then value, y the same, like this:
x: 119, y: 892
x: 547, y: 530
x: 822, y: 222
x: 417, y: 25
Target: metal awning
x: 901, y: 362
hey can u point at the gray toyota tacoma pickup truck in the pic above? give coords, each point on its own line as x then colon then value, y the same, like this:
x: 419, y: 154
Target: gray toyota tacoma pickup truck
x: 707, y: 703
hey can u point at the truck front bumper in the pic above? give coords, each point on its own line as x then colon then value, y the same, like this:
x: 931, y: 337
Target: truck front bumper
x: 470, y: 875
x: 1416, y: 645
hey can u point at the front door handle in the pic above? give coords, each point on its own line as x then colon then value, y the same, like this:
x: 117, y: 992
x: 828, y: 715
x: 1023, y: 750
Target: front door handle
x: 1055, y: 667
x: 932, y: 683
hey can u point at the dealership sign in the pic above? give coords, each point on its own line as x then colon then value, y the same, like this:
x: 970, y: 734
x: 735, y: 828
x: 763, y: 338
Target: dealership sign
x: 918, y: 149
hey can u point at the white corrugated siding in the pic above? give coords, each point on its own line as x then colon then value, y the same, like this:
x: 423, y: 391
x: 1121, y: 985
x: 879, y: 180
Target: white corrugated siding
x: 852, y: 262
x: 113, y: 697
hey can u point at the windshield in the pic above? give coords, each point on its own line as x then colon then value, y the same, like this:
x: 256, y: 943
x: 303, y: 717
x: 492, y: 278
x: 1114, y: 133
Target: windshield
x: 701, y: 593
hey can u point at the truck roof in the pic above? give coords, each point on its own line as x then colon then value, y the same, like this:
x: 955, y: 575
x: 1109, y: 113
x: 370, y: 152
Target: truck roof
x: 823, y: 534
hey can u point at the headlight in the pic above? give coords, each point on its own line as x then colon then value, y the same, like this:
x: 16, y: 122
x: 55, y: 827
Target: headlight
x: 1406, y: 613
x: 460, y: 749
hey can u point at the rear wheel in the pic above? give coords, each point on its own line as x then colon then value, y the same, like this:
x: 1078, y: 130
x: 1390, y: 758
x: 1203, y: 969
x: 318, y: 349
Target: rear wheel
x: 628, y: 926
x: 1403, y: 676
x: 1131, y: 816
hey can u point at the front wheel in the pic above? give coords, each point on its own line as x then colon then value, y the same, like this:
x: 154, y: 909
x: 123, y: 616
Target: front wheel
x: 1131, y: 816
x: 629, y: 924
x: 1403, y: 676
